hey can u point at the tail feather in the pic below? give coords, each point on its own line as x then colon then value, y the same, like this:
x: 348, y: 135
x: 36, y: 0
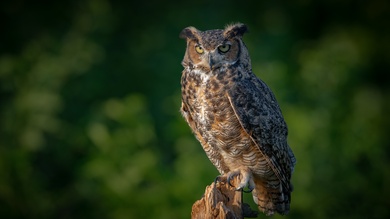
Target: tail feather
x: 271, y: 197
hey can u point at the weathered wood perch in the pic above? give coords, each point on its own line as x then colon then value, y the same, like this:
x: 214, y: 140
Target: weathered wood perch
x: 221, y: 201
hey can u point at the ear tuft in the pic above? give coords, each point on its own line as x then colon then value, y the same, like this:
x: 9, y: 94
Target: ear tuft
x: 234, y: 30
x: 189, y: 33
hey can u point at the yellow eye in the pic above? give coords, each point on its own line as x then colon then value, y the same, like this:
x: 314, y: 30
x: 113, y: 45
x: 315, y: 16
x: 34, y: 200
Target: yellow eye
x: 224, y: 48
x: 199, y: 49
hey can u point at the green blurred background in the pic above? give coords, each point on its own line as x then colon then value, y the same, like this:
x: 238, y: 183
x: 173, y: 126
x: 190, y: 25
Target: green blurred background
x: 90, y: 97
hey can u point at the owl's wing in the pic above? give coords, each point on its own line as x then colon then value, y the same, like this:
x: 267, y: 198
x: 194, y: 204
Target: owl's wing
x: 259, y: 114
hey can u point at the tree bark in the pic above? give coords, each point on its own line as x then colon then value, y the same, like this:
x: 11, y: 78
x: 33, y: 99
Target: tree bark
x: 221, y: 201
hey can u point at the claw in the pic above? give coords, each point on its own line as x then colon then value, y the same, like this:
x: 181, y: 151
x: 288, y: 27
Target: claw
x: 230, y: 178
x: 251, y: 186
x: 218, y: 179
x: 245, y: 177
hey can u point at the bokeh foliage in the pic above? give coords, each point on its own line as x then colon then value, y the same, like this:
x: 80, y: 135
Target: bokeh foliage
x: 90, y: 97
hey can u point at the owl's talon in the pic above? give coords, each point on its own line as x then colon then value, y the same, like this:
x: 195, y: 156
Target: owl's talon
x: 219, y: 178
x: 251, y: 186
x: 245, y: 179
x: 230, y: 184
x: 216, y: 180
x: 230, y: 177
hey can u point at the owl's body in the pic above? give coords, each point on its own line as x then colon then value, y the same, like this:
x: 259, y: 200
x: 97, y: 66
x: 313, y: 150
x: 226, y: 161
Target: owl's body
x: 235, y: 116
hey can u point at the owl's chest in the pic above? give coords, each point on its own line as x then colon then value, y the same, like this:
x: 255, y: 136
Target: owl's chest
x: 205, y: 97
x: 206, y: 100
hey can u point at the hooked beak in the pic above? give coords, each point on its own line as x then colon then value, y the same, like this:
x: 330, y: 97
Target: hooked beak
x: 211, y: 61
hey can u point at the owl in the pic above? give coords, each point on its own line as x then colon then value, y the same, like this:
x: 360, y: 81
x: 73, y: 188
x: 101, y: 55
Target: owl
x: 235, y: 116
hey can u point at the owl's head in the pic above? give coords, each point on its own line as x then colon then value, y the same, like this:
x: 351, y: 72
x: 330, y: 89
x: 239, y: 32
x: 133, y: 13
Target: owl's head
x: 212, y: 49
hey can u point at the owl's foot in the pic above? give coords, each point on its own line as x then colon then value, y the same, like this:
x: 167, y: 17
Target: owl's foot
x: 245, y: 177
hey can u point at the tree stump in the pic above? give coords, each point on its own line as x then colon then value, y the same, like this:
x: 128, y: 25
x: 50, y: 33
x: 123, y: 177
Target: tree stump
x: 221, y: 201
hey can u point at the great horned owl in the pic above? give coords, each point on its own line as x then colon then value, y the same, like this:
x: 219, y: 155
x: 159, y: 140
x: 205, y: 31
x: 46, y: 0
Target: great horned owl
x: 235, y: 116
